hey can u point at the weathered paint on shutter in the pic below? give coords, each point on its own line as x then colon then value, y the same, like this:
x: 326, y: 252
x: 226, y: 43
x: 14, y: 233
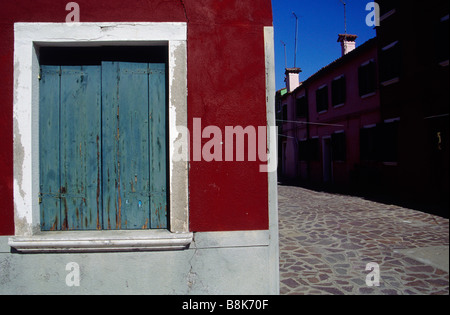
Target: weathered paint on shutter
x: 131, y: 162
x: 49, y: 87
x: 80, y: 147
x: 112, y: 203
x: 103, y: 147
x: 125, y: 137
x: 158, y: 170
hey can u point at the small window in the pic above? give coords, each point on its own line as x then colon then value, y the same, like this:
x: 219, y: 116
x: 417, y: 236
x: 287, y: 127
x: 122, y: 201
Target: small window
x: 442, y: 42
x: 308, y: 150
x: 285, y: 113
x: 390, y: 62
x: 302, y: 107
x: 338, y: 145
x: 388, y: 141
x: 338, y: 91
x: 380, y: 142
x: 368, y: 144
x: 366, y: 78
x: 322, y: 99
x: 314, y: 149
x: 303, y: 150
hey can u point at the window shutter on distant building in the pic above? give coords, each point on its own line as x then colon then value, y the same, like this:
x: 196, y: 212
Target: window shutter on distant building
x: 367, y: 78
x: 390, y: 64
x: 301, y: 107
x: 339, y: 148
x: 322, y: 99
x: 338, y: 91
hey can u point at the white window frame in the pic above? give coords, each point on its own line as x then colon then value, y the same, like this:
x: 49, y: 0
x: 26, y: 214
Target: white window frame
x: 28, y: 38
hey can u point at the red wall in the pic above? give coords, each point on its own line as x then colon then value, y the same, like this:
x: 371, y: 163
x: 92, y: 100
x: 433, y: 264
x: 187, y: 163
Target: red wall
x: 226, y: 84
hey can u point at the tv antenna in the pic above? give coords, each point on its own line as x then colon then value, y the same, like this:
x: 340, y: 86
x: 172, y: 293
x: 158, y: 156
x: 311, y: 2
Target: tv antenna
x: 345, y: 15
x: 285, y: 58
x: 296, y: 33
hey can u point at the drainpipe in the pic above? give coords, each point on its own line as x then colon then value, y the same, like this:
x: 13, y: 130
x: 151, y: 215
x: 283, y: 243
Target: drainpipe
x: 308, y: 161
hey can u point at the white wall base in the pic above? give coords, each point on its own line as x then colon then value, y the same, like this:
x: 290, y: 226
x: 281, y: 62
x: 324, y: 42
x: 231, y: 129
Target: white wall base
x: 215, y: 263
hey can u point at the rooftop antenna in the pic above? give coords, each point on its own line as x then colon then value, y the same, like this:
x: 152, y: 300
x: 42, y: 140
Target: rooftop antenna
x: 296, y: 33
x: 285, y: 58
x: 345, y: 15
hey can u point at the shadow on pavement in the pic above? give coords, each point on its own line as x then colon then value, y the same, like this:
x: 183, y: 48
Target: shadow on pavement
x: 423, y: 203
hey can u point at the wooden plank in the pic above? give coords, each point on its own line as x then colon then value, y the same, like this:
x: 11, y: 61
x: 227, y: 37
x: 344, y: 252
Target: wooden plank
x: 157, y: 136
x: 49, y: 94
x: 80, y: 144
x: 125, y: 145
x: 112, y: 203
x: 134, y: 145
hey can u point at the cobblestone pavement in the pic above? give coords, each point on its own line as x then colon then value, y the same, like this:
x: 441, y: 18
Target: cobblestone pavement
x: 326, y: 241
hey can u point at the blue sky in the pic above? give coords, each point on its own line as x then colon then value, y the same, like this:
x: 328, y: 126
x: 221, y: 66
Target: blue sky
x: 319, y: 23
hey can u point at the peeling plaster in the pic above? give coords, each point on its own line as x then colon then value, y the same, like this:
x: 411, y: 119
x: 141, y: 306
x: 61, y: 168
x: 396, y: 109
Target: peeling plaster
x: 178, y: 117
x: 19, y: 153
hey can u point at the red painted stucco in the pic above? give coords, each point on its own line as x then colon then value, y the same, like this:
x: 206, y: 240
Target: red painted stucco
x: 226, y: 84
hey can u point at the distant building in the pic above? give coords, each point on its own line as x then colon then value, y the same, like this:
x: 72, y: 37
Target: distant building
x: 378, y: 117
x: 414, y: 92
x: 325, y: 118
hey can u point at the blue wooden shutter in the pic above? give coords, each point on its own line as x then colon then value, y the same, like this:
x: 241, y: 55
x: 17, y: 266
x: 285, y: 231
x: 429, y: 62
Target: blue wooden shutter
x: 70, y: 148
x: 49, y: 148
x: 134, y: 170
x: 80, y: 147
x: 103, y: 147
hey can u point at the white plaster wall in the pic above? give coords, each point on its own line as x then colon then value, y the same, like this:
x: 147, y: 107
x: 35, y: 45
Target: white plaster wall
x: 215, y: 263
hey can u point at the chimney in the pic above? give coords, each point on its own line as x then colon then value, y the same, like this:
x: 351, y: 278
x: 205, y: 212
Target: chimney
x: 347, y: 43
x: 291, y: 79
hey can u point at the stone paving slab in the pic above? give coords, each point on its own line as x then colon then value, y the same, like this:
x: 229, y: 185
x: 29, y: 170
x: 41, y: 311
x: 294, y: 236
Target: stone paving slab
x: 436, y: 256
x: 327, y: 240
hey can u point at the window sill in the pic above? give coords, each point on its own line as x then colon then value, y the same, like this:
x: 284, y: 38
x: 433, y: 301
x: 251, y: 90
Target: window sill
x: 101, y: 241
x: 367, y: 95
x: 389, y: 82
x: 386, y: 15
